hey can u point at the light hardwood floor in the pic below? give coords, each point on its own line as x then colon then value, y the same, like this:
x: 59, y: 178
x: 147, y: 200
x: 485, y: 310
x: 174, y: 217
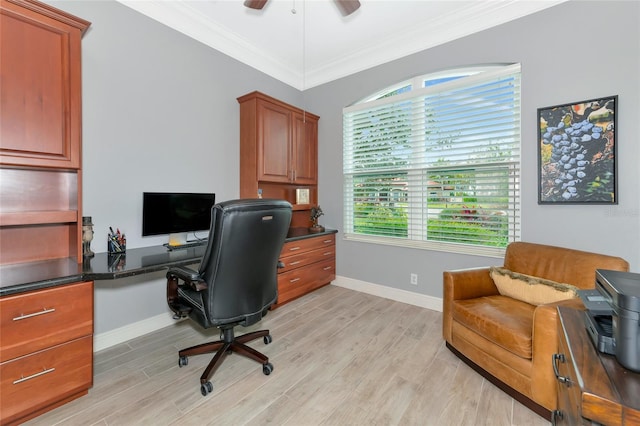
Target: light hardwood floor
x: 340, y: 358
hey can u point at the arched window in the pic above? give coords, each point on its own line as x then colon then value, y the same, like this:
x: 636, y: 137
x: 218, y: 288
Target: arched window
x: 434, y: 162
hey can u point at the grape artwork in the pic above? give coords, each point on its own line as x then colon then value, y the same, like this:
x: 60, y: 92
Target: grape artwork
x: 577, y: 152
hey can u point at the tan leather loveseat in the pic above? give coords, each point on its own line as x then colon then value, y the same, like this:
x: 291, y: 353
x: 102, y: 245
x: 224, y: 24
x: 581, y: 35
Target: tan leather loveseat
x: 509, y: 341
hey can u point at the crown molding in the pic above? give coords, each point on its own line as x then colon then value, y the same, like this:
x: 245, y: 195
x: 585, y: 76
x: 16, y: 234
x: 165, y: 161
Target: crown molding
x: 433, y: 32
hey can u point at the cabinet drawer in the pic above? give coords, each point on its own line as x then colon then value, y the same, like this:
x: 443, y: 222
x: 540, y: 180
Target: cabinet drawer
x: 33, y: 382
x: 294, y: 247
x: 302, y: 280
x: 40, y: 319
x: 306, y: 258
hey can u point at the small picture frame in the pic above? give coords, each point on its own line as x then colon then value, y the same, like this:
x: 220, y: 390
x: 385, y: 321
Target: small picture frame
x: 577, y: 152
x: 302, y: 196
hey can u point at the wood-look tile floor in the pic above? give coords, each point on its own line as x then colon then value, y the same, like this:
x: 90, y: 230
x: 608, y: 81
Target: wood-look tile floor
x: 340, y: 357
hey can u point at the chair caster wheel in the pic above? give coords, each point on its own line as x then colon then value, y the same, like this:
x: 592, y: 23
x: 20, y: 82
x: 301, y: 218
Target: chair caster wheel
x: 267, y: 368
x: 206, y: 388
x: 182, y: 361
x: 267, y: 339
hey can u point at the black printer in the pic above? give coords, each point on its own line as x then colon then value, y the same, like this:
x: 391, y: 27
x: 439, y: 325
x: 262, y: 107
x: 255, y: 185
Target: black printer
x: 612, y: 317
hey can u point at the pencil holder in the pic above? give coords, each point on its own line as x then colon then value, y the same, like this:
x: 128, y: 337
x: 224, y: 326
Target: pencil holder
x: 116, y: 242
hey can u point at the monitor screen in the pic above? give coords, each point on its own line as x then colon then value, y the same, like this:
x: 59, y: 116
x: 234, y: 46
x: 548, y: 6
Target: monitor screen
x: 175, y: 212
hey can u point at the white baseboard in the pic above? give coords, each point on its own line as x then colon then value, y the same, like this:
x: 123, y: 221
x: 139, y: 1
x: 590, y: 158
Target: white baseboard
x: 416, y: 299
x: 131, y: 331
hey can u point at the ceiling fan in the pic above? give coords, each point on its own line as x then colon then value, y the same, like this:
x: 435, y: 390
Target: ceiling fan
x: 347, y: 7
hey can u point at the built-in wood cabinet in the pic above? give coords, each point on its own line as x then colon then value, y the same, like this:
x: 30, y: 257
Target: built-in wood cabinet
x: 40, y: 132
x: 306, y: 265
x: 46, y: 349
x: 278, y: 152
x: 278, y: 156
x: 46, y: 335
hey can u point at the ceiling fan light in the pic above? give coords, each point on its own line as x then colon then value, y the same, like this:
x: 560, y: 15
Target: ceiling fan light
x: 255, y: 4
x: 347, y: 7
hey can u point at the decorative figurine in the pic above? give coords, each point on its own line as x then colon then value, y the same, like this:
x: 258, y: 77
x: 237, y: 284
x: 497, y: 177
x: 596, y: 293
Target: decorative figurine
x: 316, y: 212
x: 87, y: 236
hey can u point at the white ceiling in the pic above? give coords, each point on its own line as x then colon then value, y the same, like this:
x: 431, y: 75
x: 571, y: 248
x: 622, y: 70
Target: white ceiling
x: 316, y: 44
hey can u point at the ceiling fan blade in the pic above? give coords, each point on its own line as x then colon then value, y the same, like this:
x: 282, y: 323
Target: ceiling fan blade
x: 255, y: 4
x: 347, y: 7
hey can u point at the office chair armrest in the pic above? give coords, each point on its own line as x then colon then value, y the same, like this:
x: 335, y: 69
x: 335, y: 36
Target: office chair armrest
x: 189, y: 276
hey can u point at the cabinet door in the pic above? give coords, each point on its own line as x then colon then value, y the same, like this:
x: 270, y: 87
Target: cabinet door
x: 274, y: 143
x: 40, y: 85
x: 305, y: 149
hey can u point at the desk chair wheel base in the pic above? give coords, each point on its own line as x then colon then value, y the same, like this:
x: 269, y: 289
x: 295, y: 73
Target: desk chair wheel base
x: 206, y: 388
x: 267, y: 339
x: 182, y: 361
x: 267, y: 368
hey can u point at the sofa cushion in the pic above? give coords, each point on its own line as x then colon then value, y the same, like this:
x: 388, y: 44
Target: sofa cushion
x: 503, y: 320
x: 533, y: 290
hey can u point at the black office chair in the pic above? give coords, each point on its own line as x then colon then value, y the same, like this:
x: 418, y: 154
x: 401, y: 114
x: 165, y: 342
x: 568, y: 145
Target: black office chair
x: 236, y: 282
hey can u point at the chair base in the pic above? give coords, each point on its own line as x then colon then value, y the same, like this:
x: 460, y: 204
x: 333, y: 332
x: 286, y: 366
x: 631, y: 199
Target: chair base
x: 224, y: 347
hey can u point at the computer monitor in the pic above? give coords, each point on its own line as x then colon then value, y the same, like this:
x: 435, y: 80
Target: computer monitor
x: 176, y: 214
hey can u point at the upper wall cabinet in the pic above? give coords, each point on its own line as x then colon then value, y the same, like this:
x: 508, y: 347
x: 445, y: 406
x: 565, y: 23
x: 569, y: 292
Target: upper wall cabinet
x: 40, y: 85
x: 283, y: 140
x: 278, y: 153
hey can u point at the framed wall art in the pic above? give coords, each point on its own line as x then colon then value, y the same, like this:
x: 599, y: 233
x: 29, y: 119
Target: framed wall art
x: 577, y: 153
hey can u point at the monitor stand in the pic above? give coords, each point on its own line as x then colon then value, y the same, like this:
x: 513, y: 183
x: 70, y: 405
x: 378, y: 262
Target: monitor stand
x: 177, y: 239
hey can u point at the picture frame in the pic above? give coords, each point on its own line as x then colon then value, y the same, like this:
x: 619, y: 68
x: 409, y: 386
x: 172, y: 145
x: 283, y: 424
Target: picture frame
x: 302, y: 196
x: 577, y: 152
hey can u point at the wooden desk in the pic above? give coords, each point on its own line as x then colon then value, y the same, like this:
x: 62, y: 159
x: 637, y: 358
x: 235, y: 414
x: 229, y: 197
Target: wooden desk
x: 592, y: 386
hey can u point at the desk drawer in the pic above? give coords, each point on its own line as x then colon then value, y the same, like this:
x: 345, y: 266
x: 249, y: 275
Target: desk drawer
x: 306, y: 258
x: 302, y: 280
x: 33, y: 382
x: 40, y: 319
x: 313, y: 243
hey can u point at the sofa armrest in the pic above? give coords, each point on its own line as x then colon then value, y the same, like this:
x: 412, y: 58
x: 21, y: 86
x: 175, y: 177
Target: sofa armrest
x: 463, y: 284
x: 545, y: 344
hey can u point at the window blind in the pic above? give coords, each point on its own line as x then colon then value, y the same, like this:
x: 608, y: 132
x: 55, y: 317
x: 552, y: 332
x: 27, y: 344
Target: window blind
x: 437, y: 167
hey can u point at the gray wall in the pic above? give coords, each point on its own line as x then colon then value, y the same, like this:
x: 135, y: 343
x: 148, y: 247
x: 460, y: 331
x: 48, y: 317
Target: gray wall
x: 160, y: 113
x: 571, y: 52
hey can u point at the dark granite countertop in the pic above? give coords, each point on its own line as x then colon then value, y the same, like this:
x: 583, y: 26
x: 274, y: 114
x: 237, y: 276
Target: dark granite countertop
x: 22, y: 277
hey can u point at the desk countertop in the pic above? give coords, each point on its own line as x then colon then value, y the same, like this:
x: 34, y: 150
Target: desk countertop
x: 22, y: 277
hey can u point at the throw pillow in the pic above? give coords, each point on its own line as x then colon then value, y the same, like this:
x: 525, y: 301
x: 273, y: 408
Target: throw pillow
x: 533, y: 290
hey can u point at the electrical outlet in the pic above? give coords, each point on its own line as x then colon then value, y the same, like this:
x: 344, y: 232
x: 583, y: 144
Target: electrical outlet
x: 414, y: 279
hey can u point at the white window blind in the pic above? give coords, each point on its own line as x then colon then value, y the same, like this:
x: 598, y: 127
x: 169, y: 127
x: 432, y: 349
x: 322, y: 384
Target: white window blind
x: 437, y: 167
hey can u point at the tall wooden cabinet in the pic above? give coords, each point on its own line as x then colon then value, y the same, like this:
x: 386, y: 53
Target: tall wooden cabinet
x: 46, y: 339
x: 278, y: 152
x: 40, y: 132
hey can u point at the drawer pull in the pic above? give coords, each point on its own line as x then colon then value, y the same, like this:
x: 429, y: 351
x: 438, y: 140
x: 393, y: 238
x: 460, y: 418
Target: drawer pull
x: 326, y: 268
x: 327, y: 253
x: 294, y: 248
x: 555, y: 359
x: 294, y: 280
x: 35, y: 314
x: 555, y: 416
x: 33, y: 376
x: 327, y: 241
x: 294, y: 263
